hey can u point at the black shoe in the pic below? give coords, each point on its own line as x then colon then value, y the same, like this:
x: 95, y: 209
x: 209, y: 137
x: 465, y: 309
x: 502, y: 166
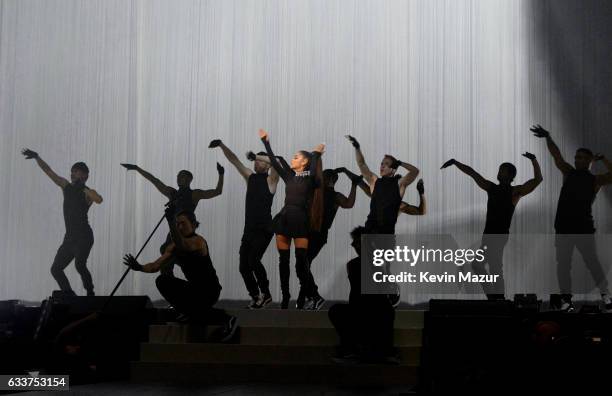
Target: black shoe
x: 301, y: 301
x: 317, y: 303
x: 264, y: 299
x: 285, y: 301
x: 229, y: 329
x: 254, y: 304
x: 567, y: 306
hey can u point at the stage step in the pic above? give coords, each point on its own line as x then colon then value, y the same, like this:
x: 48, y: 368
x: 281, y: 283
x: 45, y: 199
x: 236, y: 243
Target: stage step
x: 203, y: 373
x: 260, y: 335
x: 404, y: 319
x: 253, y: 354
x: 273, y: 345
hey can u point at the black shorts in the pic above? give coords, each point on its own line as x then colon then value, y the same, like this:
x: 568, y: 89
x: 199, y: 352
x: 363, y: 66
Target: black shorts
x: 291, y: 221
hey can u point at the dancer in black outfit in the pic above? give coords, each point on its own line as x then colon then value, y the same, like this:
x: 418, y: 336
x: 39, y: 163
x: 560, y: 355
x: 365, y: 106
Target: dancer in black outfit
x: 332, y: 200
x: 574, y: 225
x: 502, y: 200
x: 405, y: 207
x: 257, y: 234
x: 365, y: 324
x: 301, y: 214
x: 194, y: 297
x: 387, y: 193
x: 183, y: 199
x: 78, y: 239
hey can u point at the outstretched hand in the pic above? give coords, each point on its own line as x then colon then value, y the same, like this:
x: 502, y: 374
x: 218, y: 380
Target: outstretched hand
x: 538, y: 131
x: 448, y: 163
x: 353, y: 141
x: 131, y: 262
x: 251, y: 156
x: 214, y: 143
x: 320, y: 148
x: 420, y: 187
x: 29, y: 154
x: 130, y: 166
x: 263, y: 135
x: 529, y: 156
x: 220, y: 169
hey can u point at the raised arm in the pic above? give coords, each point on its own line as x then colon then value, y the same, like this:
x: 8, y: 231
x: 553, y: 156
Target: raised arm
x: 416, y: 210
x: 168, y: 192
x: 263, y: 135
x: 215, y: 192
x: 480, y: 181
x: 232, y: 158
x: 369, y: 177
x: 606, y: 178
x: 349, y: 202
x: 92, y: 195
x: 272, y: 176
x: 60, y: 181
x: 365, y: 187
x: 561, y: 164
x: 532, y: 183
x: 408, y: 178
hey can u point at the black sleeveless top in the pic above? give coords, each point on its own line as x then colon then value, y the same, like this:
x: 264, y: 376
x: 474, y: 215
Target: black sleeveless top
x: 574, y: 212
x: 75, y: 209
x: 499, y: 209
x: 184, y: 200
x: 198, y: 268
x: 258, y: 205
x: 330, y: 208
x: 384, y: 206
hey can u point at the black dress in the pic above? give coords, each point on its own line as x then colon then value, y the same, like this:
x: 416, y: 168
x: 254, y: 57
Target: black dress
x: 293, y: 220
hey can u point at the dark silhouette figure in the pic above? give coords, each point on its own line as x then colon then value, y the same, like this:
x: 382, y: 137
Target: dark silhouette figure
x: 195, y: 296
x: 183, y: 198
x: 79, y: 238
x: 332, y: 200
x: 574, y: 225
x: 261, y: 186
x: 501, y: 202
x: 364, y: 325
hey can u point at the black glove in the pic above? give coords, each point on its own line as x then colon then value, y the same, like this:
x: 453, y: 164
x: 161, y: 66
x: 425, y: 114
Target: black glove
x: 214, y: 143
x: 251, y: 156
x: 538, y: 131
x: 355, y: 179
x: 529, y: 156
x: 396, y: 164
x: 29, y: 154
x: 353, y: 141
x: 130, y: 166
x: 220, y: 169
x: 448, y: 163
x: 131, y: 262
x: 420, y: 187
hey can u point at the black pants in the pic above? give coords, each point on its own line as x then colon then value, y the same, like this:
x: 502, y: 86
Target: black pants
x: 254, y: 243
x: 193, y: 299
x: 494, y: 256
x: 585, y: 244
x: 75, y: 248
x: 365, y: 328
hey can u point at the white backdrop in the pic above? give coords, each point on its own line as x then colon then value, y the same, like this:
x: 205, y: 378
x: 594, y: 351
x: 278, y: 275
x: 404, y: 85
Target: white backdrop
x: 152, y: 82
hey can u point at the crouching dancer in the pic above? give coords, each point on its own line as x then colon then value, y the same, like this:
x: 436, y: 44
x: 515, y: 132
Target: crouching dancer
x: 194, y: 297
